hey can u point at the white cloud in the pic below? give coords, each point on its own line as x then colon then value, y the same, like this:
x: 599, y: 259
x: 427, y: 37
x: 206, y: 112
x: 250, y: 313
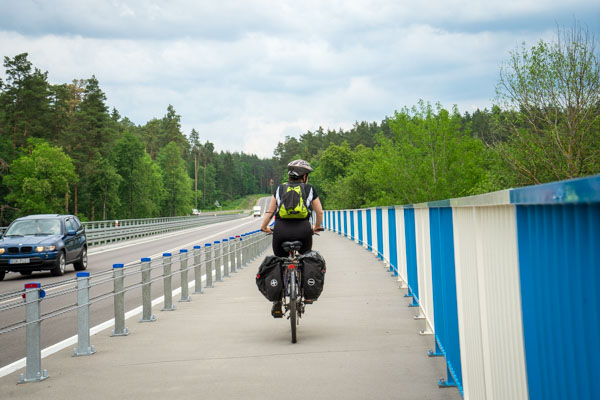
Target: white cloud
x: 245, y: 74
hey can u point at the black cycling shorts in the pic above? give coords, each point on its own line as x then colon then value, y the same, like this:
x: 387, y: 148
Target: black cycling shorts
x: 288, y: 230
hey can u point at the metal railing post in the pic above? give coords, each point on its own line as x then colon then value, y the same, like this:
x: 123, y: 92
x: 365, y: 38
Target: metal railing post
x: 33, y: 367
x: 147, y: 315
x: 225, y: 257
x: 218, y: 261
x: 197, y: 271
x: 232, y: 244
x: 208, y: 260
x: 245, y: 243
x: 183, y: 262
x: 167, y: 279
x: 83, y: 316
x: 119, y: 300
x: 238, y: 255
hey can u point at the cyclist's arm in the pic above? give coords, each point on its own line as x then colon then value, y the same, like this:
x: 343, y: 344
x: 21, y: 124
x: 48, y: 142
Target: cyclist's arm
x: 268, y: 215
x: 316, y: 206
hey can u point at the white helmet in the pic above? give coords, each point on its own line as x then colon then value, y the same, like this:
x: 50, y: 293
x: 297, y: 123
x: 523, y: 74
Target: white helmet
x: 298, y: 168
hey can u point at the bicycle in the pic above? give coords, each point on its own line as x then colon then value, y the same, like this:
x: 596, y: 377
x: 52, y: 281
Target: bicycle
x: 292, y: 281
x: 293, y: 297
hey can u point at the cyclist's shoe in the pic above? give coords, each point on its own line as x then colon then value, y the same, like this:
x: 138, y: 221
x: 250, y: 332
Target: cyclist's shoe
x: 276, y: 310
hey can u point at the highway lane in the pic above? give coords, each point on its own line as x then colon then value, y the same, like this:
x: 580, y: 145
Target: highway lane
x: 59, y: 328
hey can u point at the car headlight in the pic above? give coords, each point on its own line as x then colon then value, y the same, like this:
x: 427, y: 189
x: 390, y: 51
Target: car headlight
x: 2, y: 250
x: 39, y: 249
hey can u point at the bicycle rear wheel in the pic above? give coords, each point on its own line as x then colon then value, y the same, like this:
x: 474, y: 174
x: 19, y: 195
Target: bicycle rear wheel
x: 293, y: 305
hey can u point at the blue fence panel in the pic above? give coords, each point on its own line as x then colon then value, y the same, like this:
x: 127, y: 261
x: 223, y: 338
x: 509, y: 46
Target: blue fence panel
x: 352, y: 225
x: 360, y: 226
x: 393, y: 240
x: 444, y: 293
x: 411, y: 255
x: 379, y: 232
x: 345, y: 223
x: 559, y: 268
x: 369, y: 231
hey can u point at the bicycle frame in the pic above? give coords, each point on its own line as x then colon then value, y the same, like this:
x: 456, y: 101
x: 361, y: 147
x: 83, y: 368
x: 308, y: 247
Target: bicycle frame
x: 293, y: 300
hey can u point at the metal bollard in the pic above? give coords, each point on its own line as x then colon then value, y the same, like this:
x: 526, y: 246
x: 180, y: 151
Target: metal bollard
x: 183, y: 262
x: 236, y: 250
x: 245, y: 243
x: 120, y: 329
x: 225, y: 257
x: 197, y: 271
x: 233, y: 265
x: 33, y: 368
x: 147, y: 315
x: 83, y: 316
x: 218, y: 261
x: 167, y: 279
x: 208, y: 261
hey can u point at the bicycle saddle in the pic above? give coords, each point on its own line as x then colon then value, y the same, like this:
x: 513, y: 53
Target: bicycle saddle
x: 287, y: 246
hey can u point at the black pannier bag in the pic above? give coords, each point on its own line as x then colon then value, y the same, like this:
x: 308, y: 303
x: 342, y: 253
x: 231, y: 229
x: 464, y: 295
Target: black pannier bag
x: 269, y: 278
x: 313, y: 274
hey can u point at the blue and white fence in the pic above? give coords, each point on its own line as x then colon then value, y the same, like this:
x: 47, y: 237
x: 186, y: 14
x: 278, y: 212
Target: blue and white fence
x: 508, y: 283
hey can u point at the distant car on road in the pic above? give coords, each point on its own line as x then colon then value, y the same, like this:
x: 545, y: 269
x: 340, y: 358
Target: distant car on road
x: 257, y: 211
x: 195, y: 211
x: 46, y: 242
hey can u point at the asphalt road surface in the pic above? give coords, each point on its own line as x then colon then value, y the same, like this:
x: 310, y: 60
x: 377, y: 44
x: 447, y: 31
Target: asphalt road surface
x: 101, y: 259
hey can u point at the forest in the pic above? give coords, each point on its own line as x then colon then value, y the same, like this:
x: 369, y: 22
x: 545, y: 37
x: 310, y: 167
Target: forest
x: 64, y: 150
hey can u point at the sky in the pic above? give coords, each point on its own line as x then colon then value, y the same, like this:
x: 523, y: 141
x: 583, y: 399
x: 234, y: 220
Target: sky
x: 246, y: 74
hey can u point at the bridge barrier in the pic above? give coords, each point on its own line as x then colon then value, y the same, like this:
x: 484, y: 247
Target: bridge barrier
x: 124, y: 279
x: 508, y: 284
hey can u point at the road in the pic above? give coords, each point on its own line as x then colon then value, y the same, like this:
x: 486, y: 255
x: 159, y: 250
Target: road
x: 101, y: 259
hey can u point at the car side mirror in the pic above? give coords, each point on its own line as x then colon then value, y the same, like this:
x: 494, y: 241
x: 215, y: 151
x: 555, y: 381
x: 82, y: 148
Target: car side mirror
x: 71, y: 233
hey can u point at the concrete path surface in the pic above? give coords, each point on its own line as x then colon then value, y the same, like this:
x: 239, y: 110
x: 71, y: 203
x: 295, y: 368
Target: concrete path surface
x: 358, y: 341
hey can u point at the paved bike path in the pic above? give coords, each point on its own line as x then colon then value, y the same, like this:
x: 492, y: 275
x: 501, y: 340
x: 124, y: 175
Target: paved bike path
x: 359, y: 341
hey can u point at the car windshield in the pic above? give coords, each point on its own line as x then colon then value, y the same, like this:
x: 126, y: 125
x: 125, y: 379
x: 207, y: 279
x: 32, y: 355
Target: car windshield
x: 34, y: 227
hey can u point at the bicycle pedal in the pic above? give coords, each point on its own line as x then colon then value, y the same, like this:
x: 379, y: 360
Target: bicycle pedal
x: 277, y: 314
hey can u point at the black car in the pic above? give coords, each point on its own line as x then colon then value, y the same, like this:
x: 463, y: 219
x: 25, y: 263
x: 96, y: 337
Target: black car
x: 41, y: 243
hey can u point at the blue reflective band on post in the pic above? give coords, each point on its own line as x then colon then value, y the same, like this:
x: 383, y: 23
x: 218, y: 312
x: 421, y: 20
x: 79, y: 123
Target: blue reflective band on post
x: 118, y: 265
x: 166, y: 254
x: 83, y: 274
x: 145, y: 259
x: 183, y: 251
x: 207, y: 245
x: 197, y: 247
x: 217, y: 242
x: 232, y: 238
x: 225, y: 240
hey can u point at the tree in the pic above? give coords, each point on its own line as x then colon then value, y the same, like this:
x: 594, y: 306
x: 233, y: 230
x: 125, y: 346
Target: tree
x: 39, y: 181
x: 103, y: 188
x: 141, y: 190
x: 24, y: 101
x: 176, y: 182
x: 551, y: 93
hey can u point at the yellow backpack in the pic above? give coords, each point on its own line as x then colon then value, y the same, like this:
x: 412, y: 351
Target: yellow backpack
x: 293, y: 201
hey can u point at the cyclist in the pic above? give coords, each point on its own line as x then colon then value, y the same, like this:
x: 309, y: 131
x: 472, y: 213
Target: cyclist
x: 290, y: 229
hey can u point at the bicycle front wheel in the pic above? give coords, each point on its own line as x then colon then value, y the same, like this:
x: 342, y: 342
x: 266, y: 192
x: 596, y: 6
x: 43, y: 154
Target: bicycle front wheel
x: 293, y: 305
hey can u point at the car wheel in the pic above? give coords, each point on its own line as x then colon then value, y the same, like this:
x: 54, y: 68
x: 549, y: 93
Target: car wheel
x: 81, y: 264
x: 2, y: 273
x: 59, y: 269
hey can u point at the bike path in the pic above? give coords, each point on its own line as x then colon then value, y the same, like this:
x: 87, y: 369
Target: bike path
x: 358, y: 341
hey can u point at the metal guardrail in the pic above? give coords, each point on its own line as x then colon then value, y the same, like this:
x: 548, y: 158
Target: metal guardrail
x: 112, y: 231
x: 219, y: 259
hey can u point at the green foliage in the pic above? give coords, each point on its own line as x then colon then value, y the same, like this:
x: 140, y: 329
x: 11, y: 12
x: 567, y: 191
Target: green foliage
x: 141, y: 190
x: 40, y: 180
x: 178, y: 199
x: 551, y: 95
x: 430, y: 157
